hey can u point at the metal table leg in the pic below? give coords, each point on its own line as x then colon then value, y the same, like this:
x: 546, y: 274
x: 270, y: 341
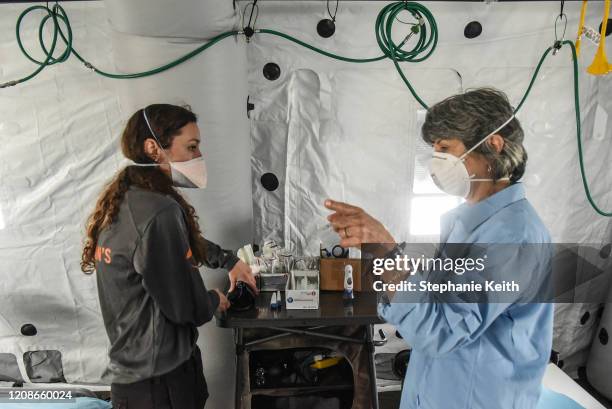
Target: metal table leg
x: 372, y: 364
x: 239, y: 387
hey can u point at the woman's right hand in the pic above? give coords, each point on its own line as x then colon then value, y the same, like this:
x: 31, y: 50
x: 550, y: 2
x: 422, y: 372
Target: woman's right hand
x: 224, y: 303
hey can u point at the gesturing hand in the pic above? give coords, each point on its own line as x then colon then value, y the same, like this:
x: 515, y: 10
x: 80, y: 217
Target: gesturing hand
x: 355, y: 226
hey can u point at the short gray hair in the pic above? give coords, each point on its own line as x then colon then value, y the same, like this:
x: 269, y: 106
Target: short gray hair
x: 470, y: 117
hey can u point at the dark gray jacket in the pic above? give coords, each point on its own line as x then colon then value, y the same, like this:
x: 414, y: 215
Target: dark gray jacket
x: 151, y: 295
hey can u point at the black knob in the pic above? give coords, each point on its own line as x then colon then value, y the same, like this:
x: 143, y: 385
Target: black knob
x: 326, y: 28
x: 472, y: 30
x: 269, y: 181
x: 29, y: 330
x: 585, y: 318
x: 608, y: 27
x: 248, y: 31
x: 271, y: 71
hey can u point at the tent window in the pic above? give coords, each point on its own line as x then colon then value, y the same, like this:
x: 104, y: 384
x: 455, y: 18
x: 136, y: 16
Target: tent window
x: 425, y: 213
x: 9, y: 370
x: 428, y: 202
x: 44, y: 366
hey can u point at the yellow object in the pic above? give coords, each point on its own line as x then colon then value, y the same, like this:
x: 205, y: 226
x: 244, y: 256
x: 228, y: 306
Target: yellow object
x: 580, y: 26
x: 326, y: 363
x: 600, y: 65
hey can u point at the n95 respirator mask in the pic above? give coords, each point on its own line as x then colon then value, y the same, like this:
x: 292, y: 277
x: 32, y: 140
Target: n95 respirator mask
x: 188, y: 174
x: 449, y: 172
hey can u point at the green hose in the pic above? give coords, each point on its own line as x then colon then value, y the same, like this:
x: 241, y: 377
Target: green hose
x: 58, y: 13
x: 49, y: 53
x: 384, y: 24
x: 318, y: 50
x: 423, y: 48
x: 585, y: 183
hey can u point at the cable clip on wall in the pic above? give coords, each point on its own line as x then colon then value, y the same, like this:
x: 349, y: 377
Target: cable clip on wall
x: 560, y: 18
x: 249, y: 29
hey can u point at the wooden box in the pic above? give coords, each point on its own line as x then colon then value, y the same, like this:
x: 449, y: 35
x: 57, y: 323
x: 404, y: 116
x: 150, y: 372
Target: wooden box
x: 331, y: 271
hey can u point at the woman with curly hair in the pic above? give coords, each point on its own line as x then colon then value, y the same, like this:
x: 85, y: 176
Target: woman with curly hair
x: 145, y: 244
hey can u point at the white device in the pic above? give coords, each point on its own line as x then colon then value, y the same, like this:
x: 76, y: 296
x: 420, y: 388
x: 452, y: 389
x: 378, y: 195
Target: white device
x: 279, y: 300
x: 302, y: 291
x: 348, y: 282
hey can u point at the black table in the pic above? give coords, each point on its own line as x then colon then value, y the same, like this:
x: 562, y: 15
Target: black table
x: 332, y: 312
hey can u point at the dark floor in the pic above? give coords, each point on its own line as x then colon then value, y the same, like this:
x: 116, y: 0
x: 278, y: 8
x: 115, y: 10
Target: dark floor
x: 389, y: 400
x: 584, y: 382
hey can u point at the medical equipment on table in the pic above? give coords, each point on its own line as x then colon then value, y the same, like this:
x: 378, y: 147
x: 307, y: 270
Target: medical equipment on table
x: 302, y: 291
x: 348, y: 295
x: 241, y: 297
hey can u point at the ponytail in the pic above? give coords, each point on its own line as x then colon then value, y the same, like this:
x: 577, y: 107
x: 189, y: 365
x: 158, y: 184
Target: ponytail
x: 109, y: 202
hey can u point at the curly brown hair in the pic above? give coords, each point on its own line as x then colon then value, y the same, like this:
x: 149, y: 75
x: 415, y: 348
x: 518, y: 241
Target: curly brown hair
x: 166, y: 121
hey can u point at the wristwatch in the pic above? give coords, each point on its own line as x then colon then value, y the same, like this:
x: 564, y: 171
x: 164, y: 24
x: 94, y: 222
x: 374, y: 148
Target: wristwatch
x: 398, y: 250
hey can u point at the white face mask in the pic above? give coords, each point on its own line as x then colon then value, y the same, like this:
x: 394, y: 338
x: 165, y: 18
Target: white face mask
x: 449, y: 173
x: 188, y: 174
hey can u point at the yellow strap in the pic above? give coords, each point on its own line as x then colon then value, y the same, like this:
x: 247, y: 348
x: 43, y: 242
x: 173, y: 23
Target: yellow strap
x: 326, y: 363
x: 600, y: 65
x: 580, y: 26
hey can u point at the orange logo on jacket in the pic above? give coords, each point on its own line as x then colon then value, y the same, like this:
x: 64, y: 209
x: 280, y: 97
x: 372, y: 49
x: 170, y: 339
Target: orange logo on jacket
x: 103, y: 254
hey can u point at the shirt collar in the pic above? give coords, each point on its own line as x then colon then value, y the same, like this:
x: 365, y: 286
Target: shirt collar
x: 473, y: 215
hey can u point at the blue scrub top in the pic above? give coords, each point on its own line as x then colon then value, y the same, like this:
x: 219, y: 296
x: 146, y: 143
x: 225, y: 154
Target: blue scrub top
x: 472, y: 356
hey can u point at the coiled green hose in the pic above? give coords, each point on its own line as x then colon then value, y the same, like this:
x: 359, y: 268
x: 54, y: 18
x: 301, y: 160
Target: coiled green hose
x: 424, y: 47
x: 57, y: 14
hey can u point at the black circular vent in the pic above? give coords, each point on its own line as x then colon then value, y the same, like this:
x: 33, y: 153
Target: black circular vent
x: 269, y: 181
x: 29, y: 330
x: 585, y: 318
x: 326, y: 28
x: 608, y: 27
x: 271, y: 71
x: 472, y: 30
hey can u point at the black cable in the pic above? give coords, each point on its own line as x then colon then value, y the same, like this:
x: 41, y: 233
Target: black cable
x: 254, y: 4
x: 333, y: 18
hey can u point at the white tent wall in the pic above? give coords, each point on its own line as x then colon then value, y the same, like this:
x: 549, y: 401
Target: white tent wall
x: 324, y: 128
x: 59, y: 136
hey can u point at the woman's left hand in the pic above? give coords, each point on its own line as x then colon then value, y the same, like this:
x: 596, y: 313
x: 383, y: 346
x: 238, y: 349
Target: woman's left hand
x: 242, y: 272
x: 355, y: 226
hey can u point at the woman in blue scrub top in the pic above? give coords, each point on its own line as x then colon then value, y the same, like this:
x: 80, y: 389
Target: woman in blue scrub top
x: 470, y: 355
